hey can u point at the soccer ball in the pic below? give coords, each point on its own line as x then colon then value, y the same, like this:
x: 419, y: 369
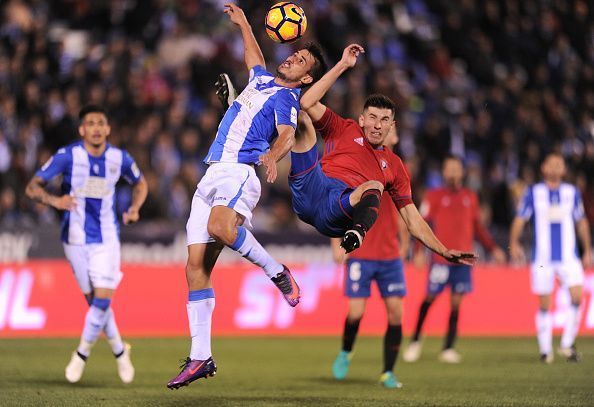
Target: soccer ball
x: 285, y: 22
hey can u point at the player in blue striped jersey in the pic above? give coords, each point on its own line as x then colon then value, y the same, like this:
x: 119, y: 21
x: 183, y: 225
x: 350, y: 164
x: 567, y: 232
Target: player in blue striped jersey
x: 556, y: 211
x: 257, y: 129
x: 90, y: 170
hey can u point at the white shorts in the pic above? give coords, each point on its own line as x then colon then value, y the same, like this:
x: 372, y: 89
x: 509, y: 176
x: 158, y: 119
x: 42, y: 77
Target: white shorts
x: 95, y: 265
x: 542, y: 276
x: 233, y: 185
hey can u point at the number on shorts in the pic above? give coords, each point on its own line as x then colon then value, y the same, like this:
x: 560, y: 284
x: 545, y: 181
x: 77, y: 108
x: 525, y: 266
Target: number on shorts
x: 355, y: 271
x: 439, y: 273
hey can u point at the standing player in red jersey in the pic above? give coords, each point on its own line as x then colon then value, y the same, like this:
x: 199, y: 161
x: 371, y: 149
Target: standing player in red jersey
x: 377, y: 259
x: 453, y: 212
x: 340, y: 195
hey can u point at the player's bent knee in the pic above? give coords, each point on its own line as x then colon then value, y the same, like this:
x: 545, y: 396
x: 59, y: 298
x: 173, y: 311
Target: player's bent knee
x: 221, y: 232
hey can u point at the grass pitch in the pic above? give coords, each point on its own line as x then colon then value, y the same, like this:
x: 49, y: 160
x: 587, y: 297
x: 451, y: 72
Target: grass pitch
x: 297, y: 372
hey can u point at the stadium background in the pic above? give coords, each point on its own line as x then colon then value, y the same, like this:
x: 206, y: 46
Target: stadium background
x: 497, y: 82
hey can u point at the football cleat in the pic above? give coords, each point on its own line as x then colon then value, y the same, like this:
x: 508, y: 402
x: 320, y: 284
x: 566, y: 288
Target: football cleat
x: 125, y: 367
x: 389, y: 381
x: 75, y: 368
x: 450, y: 356
x: 225, y: 90
x: 340, y: 367
x: 571, y: 353
x: 547, y: 358
x: 193, y: 370
x: 288, y: 286
x: 413, y: 352
x: 352, y: 240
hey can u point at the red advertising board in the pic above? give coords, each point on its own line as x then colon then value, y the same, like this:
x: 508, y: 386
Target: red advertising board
x: 40, y: 298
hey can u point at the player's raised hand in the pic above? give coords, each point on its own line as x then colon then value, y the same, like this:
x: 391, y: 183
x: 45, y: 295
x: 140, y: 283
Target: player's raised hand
x: 458, y: 257
x: 130, y: 216
x: 235, y: 13
x: 63, y: 203
x: 270, y: 163
x: 350, y: 54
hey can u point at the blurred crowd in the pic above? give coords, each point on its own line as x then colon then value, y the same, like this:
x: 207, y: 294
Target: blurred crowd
x: 498, y: 82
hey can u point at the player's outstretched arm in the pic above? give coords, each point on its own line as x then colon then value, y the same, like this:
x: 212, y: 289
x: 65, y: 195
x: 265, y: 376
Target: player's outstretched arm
x: 252, y: 52
x: 35, y: 190
x: 139, y: 193
x: 515, y: 248
x: 282, y: 145
x: 310, y: 101
x: 419, y: 229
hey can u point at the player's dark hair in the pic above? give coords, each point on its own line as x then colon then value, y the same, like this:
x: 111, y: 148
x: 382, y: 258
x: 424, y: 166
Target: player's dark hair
x: 381, y: 102
x: 319, y: 67
x: 91, y: 109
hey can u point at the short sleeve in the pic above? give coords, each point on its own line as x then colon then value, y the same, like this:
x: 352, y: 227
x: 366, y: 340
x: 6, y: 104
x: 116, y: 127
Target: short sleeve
x: 331, y: 125
x: 130, y: 171
x: 258, y: 70
x: 400, y: 189
x: 56, y: 165
x: 286, y: 108
x: 578, y: 208
x: 526, y: 207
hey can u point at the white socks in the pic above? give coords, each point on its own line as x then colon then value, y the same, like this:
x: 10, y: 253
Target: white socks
x: 112, y: 333
x: 572, y: 325
x: 247, y: 245
x: 200, y: 306
x: 94, y: 322
x: 544, y: 331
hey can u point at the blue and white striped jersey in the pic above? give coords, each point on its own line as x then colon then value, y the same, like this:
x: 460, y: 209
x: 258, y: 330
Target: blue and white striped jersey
x: 249, y: 125
x: 92, y: 181
x: 553, y: 214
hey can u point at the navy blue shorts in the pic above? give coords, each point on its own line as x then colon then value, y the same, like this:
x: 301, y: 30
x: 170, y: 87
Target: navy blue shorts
x: 388, y: 274
x: 318, y: 199
x: 457, y: 276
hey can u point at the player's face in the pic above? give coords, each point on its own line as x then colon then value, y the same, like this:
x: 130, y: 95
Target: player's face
x: 296, y: 67
x: 376, y: 123
x: 453, y: 173
x: 94, y: 129
x: 553, y: 168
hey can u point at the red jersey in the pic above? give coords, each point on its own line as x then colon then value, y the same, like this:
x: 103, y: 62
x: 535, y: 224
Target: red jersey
x: 381, y: 242
x: 350, y: 158
x: 455, y: 219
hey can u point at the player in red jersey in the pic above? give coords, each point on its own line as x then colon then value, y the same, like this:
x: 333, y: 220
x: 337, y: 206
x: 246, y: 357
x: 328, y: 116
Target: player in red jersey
x: 340, y: 195
x: 377, y: 259
x: 453, y: 212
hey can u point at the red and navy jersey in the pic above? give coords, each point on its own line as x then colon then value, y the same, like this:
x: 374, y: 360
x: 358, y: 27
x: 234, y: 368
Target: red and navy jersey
x: 455, y: 219
x: 381, y: 242
x: 350, y: 158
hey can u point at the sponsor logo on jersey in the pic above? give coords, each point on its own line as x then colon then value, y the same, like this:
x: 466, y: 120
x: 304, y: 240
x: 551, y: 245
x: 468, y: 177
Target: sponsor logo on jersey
x: 384, y: 164
x: 359, y: 140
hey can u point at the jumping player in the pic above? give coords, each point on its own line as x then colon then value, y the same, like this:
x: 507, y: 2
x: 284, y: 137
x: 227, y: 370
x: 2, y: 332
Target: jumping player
x: 453, y: 213
x: 340, y: 195
x: 265, y: 112
x: 90, y: 231
x: 556, y: 212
